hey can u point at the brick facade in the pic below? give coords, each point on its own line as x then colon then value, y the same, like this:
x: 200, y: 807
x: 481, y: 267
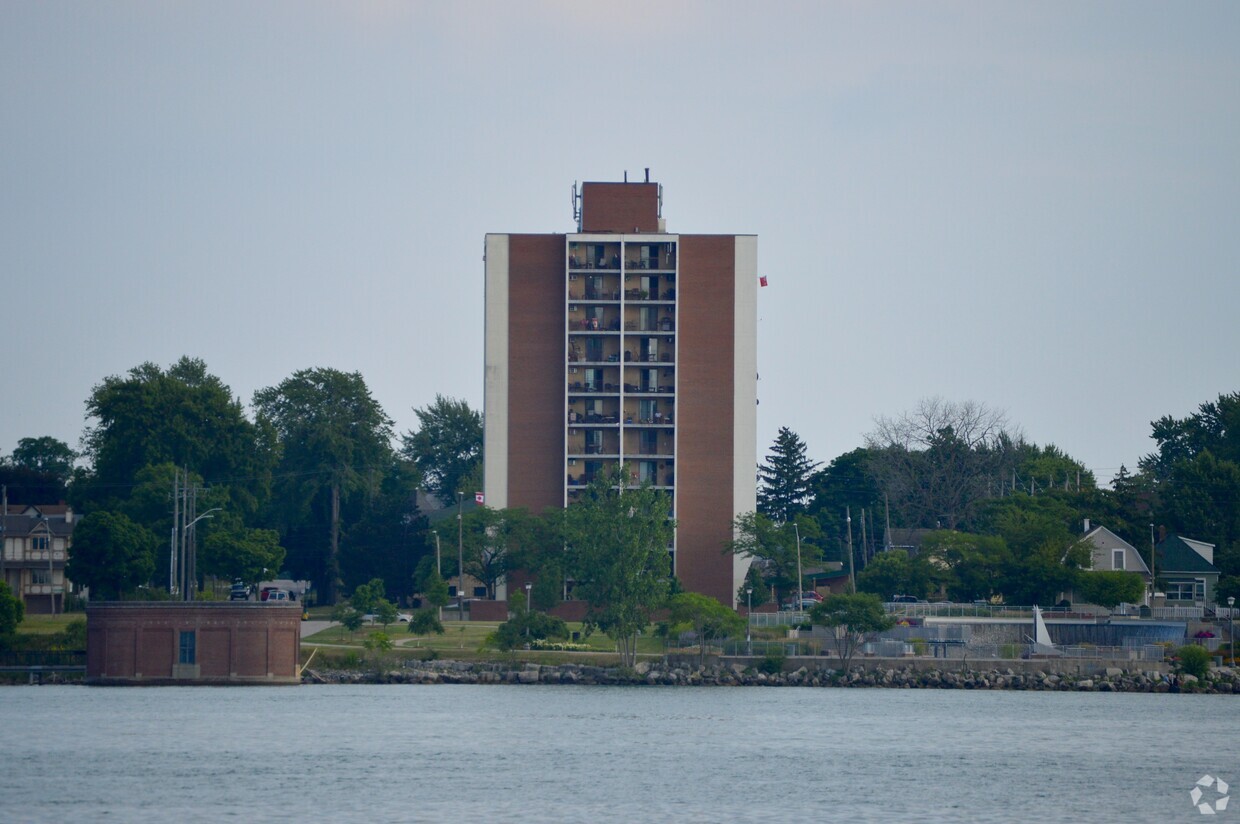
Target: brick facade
x: 174, y: 642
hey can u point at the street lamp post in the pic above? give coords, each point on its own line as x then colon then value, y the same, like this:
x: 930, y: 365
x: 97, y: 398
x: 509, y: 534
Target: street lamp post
x: 187, y: 568
x: 460, y: 558
x: 748, y: 620
x: 528, y: 587
x: 1231, y: 627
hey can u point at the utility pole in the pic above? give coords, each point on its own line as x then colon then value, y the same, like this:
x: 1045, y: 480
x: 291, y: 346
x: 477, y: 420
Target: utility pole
x: 4, y: 514
x: 176, y: 524
x: 852, y: 578
x: 438, y: 571
x: 865, y: 546
x: 887, y: 513
x: 1153, y: 578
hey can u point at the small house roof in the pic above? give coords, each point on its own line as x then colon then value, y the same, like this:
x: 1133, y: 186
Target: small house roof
x: 1174, y: 554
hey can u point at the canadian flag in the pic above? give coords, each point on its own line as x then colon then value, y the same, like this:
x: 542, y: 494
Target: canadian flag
x: 478, y: 497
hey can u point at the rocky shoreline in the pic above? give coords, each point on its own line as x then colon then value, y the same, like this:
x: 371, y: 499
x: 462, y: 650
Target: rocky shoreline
x: 1111, y: 679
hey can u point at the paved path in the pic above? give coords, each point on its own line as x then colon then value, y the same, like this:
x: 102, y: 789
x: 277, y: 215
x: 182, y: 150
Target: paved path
x: 309, y: 628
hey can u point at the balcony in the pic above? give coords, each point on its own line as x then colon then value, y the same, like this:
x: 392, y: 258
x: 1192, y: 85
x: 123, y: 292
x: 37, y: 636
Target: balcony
x: 592, y: 419
x: 594, y: 325
x: 36, y: 556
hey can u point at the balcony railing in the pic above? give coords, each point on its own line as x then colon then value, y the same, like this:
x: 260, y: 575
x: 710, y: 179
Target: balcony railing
x: 33, y: 555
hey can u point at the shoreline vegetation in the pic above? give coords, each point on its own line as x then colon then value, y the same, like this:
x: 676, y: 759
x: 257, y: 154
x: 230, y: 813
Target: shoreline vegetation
x: 774, y: 673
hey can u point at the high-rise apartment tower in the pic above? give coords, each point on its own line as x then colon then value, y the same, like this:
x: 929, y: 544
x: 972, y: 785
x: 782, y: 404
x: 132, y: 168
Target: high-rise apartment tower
x: 624, y: 343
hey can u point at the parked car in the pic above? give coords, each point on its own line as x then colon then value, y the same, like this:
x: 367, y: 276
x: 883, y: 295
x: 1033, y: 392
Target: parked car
x: 401, y: 618
x: 239, y: 592
x: 272, y: 595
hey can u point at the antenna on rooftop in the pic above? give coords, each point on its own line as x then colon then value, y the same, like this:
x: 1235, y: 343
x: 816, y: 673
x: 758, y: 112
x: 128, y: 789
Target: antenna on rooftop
x: 576, y: 206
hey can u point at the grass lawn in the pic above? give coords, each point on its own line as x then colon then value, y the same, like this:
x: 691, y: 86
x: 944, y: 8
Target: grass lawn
x: 465, y: 642
x: 48, y: 624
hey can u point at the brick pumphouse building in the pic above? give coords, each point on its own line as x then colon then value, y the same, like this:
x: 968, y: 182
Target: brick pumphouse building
x: 174, y: 642
x: 623, y: 343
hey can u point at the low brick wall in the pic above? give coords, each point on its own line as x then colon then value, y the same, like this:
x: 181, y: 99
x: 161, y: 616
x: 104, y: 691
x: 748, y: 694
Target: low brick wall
x: 488, y: 610
x: 173, y: 642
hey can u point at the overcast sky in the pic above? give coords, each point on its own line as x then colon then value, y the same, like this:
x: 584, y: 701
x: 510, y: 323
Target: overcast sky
x: 1032, y: 205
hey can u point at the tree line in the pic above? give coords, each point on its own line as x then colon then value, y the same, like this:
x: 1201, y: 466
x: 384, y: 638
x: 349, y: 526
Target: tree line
x: 1000, y: 516
x: 310, y: 480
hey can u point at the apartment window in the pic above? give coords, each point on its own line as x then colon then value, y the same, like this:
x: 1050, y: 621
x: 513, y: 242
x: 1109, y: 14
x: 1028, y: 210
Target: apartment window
x: 40, y: 576
x: 189, y: 651
x: 38, y: 542
x: 1117, y: 559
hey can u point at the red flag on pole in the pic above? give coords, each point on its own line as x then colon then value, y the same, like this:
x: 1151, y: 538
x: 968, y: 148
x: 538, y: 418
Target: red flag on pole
x: 762, y: 280
x: 478, y: 496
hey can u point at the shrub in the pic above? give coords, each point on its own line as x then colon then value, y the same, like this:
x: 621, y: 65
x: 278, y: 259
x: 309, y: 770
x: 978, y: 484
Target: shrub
x: 424, y: 622
x: 378, y: 641
x: 771, y: 664
x: 527, y: 628
x: 1194, y: 660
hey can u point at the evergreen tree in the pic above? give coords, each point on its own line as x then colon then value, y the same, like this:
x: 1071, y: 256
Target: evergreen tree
x: 785, y: 477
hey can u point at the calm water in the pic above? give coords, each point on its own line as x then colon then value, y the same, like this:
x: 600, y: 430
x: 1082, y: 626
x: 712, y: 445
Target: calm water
x: 463, y: 753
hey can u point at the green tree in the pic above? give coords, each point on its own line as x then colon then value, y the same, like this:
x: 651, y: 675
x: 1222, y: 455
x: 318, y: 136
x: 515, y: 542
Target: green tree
x: 1110, y: 589
x: 348, y: 617
x: 110, y: 554
x: 386, y: 536
x: 895, y: 573
x: 385, y: 612
x: 618, y: 538
x: 784, y: 477
x: 1202, y: 498
x: 12, y: 611
x: 332, y: 434
x: 424, y: 622
x: 705, y: 616
x: 525, y: 627
x: 366, y: 597
x: 758, y: 594
x: 433, y: 587
x: 773, y: 548
x: 1214, y: 427
x: 45, y: 454
x: 852, y: 616
x: 447, y: 446
x: 845, y: 485
x: 183, y: 416
x: 241, y: 552
x: 971, y: 567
